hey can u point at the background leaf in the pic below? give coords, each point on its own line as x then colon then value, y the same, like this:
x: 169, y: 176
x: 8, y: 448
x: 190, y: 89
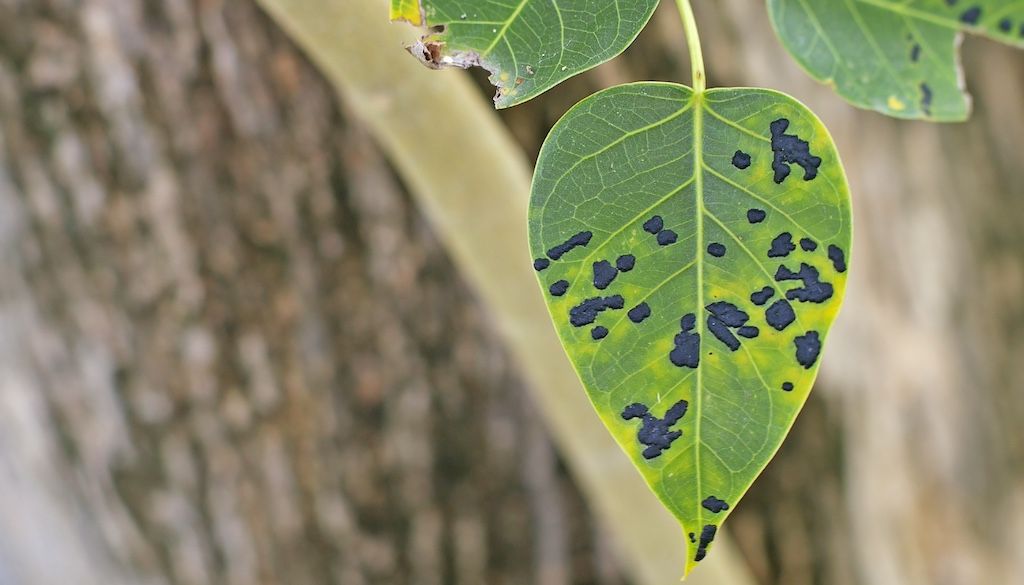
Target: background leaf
x: 692, y: 251
x: 897, y: 57
x: 529, y: 47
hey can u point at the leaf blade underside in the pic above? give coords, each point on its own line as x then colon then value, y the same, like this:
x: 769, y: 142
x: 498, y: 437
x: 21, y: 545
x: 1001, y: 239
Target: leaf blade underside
x: 705, y: 166
x: 900, y: 58
x: 529, y: 46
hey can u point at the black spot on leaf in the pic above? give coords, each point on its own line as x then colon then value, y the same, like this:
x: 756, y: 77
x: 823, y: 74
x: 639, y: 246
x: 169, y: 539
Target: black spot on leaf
x: 693, y: 538
x: 780, y: 314
x: 626, y: 262
x: 915, y: 52
x: 599, y: 332
x: 789, y: 150
x: 541, y: 263
x: 586, y: 312
x: 655, y: 433
x: 721, y: 332
x: 787, y: 386
x: 748, y: 331
x: 740, y: 160
x: 578, y: 240
x: 640, y: 312
x: 755, y: 215
x: 1006, y: 25
x: 971, y: 15
x: 717, y: 250
x: 782, y: 245
x: 725, y: 316
x: 654, y: 225
x: 604, y: 274
x: 707, y: 534
x: 808, y: 245
x: 714, y: 505
x: 926, y: 99
x: 686, y: 352
x: 761, y: 297
x: 808, y: 346
x: 813, y: 291
x: 558, y: 289
x: 835, y: 254
x: 666, y: 237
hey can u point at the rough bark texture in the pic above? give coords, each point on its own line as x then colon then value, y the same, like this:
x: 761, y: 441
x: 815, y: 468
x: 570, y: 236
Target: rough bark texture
x: 231, y: 351
x: 906, y: 465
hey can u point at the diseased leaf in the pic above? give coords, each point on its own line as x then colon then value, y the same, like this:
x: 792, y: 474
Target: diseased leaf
x: 900, y: 58
x: 692, y: 249
x: 528, y: 46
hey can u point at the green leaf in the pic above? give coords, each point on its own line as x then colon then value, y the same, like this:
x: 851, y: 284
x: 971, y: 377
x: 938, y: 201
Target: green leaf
x: 528, y: 47
x: 673, y: 234
x: 900, y: 58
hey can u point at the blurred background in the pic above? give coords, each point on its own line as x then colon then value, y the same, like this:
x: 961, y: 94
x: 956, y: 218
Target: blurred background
x: 233, y: 350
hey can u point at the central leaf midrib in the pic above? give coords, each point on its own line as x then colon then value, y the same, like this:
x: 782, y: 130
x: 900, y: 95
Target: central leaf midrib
x: 698, y: 175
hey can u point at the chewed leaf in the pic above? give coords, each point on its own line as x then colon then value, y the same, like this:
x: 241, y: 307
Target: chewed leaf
x: 899, y: 57
x: 692, y: 249
x: 528, y: 47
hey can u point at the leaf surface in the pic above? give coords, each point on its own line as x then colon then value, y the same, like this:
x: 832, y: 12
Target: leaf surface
x: 529, y: 46
x: 692, y: 250
x: 900, y: 58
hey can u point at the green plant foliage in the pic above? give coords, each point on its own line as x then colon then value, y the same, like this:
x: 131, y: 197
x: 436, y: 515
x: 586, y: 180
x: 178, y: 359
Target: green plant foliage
x: 899, y: 57
x: 692, y: 249
x: 528, y: 47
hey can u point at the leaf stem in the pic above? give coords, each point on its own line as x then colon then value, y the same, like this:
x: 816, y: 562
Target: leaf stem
x: 693, y: 42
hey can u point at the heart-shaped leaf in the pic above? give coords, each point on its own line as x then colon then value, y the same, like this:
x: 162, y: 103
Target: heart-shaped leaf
x: 899, y: 57
x: 529, y: 47
x: 692, y: 250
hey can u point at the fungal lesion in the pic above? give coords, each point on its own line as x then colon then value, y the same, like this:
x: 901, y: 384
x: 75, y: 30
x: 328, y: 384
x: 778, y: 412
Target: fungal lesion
x: 789, y: 149
x: 655, y: 433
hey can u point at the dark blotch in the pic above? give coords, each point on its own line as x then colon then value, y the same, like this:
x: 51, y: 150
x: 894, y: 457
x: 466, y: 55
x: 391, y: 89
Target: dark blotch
x: 721, y: 332
x: 626, y: 262
x: 1006, y: 25
x: 971, y: 15
x: 780, y: 314
x: 707, y: 534
x: 586, y: 312
x: 915, y: 52
x: 787, y: 386
x: 686, y: 352
x: 789, y: 150
x: 782, y: 245
x: 808, y: 245
x: 761, y: 297
x: 813, y: 291
x: 599, y: 332
x: 558, y: 289
x: 808, y: 346
x: 654, y: 225
x: 541, y: 263
x: 717, y: 250
x: 756, y: 215
x: 748, y: 331
x: 741, y: 160
x: 693, y: 538
x: 655, y: 433
x: 640, y: 312
x: 604, y: 274
x: 729, y: 313
x: 926, y: 99
x: 714, y: 505
x: 666, y: 237
x: 835, y: 254
x: 578, y: 240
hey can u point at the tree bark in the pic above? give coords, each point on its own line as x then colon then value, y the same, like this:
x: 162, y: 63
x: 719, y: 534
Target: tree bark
x: 232, y: 350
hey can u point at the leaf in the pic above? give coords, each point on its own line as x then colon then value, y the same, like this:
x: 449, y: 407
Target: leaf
x: 900, y: 58
x: 528, y: 47
x: 692, y: 252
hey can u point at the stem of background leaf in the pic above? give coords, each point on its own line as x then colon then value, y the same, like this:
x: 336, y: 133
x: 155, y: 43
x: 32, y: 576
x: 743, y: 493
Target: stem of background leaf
x: 693, y: 42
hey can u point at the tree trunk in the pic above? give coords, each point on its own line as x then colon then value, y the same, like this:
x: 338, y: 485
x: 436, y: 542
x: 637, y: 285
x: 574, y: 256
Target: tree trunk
x: 231, y: 349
